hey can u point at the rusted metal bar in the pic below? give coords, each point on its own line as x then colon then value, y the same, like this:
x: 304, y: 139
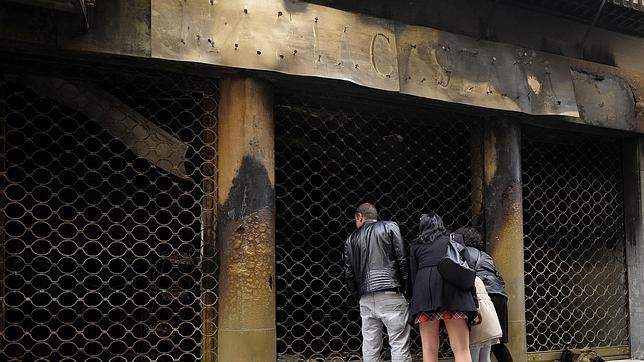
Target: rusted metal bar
x: 246, y: 160
x: 504, y: 220
x: 209, y: 260
x: 634, y: 233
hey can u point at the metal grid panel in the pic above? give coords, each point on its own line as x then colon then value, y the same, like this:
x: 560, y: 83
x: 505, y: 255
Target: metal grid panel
x: 328, y: 160
x: 583, y: 10
x: 623, y: 19
x: 633, y: 4
x: 616, y: 16
x: 104, y: 250
x: 575, y: 271
x: 625, y: 16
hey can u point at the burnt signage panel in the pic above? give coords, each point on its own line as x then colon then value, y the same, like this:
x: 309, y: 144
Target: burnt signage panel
x: 455, y: 68
x: 311, y: 40
x: 284, y: 36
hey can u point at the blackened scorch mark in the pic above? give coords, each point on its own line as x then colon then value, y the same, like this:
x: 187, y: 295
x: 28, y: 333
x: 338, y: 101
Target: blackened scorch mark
x: 251, y: 191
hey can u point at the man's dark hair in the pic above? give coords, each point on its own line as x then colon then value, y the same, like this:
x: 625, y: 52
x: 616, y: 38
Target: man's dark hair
x: 471, y: 237
x: 368, y: 211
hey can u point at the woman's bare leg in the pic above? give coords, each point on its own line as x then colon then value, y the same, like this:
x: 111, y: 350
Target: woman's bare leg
x: 459, y: 339
x: 430, y: 340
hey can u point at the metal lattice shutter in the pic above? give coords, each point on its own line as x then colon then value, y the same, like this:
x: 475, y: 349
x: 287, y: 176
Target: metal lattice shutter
x: 103, y: 197
x: 329, y: 159
x: 575, y: 272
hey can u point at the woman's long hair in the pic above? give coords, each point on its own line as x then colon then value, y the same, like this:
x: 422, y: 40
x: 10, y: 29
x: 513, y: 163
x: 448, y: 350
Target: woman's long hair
x: 431, y: 227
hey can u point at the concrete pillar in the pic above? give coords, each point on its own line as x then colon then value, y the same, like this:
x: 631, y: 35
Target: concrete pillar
x: 209, y: 236
x: 246, y: 153
x: 504, y: 220
x: 634, y: 232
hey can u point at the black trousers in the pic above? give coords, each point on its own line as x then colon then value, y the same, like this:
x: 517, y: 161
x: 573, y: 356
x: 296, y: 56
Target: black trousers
x: 501, y: 352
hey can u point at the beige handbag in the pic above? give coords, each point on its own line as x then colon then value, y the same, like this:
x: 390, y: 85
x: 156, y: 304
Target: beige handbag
x: 489, y: 328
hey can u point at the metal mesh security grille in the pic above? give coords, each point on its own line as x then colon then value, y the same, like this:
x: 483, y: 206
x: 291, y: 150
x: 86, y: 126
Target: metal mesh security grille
x: 105, y: 253
x: 575, y: 270
x: 619, y: 15
x: 329, y: 159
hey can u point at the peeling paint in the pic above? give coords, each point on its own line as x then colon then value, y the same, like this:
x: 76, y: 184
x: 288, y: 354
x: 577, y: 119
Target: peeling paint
x: 605, y: 100
x: 248, y: 264
x: 534, y: 83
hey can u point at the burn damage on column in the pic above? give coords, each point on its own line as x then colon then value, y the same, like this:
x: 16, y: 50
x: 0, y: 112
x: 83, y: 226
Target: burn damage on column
x: 504, y: 219
x: 246, y: 220
x: 246, y: 224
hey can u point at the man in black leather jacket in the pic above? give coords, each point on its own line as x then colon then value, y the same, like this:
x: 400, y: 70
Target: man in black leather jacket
x: 484, y: 265
x: 377, y: 273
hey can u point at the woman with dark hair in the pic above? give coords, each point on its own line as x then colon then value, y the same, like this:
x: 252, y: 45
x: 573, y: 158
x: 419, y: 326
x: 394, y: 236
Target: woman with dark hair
x: 435, y: 301
x: 486, y: 270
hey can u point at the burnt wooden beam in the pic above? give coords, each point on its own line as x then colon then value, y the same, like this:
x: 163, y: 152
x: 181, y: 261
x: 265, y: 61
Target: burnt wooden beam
x: 634, y: 234
x: 246, y: 182
x: 209, y: 261
x: 504, y: 220
x: 476, y: 155
x: 139, y: 134
x: 3, y: 180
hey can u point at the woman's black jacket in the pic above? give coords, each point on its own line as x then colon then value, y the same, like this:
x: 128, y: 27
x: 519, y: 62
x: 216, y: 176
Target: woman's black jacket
x: 486, y: 270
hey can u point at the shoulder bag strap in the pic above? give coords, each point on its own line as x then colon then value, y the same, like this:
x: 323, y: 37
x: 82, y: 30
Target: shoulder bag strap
x: 478, y: 261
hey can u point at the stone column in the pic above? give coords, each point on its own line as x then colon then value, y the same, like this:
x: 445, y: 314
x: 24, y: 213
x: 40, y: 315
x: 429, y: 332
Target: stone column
x: 246, y: 203
x: 504, y: 220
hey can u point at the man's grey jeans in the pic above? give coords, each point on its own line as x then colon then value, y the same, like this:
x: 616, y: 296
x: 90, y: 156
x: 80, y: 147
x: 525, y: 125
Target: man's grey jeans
x: 391, y: 309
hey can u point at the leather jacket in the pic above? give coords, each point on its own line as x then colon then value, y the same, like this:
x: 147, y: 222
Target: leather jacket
x: 375, y: 259
x: 486, y: 270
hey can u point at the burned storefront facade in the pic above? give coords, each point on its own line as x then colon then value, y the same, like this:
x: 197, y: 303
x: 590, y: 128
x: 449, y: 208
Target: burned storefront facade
x: 179, y: 177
